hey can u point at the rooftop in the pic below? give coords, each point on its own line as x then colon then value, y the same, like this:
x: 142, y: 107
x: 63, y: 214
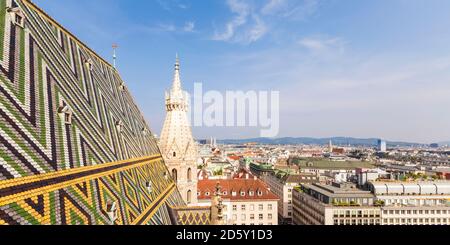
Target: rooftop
x: 243, y: 189
x: 322, y: 163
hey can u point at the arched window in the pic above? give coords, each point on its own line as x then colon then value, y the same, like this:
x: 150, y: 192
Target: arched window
x: 174, y: 174
x: 189, y: 174
x: 188, y: 196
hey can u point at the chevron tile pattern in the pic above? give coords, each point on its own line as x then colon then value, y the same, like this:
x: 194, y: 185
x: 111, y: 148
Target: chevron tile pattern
x: 68, y: 124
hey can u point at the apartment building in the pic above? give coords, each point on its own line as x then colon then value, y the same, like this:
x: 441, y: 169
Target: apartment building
x: 246, y: 201
x: 385, y: 203
x: 282, y: 183
x: 336, y: 204
x: 413, y: 203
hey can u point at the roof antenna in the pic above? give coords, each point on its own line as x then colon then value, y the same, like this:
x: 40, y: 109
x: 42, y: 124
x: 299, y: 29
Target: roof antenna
x: 114, y: 47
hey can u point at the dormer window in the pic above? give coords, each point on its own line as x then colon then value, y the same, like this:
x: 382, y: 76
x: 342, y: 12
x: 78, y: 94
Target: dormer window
x: 198, y: 193
x: 144, y: 131
x: 122, y: 86
x: 17, y: 16
x: 251, y: 193
x: 207, y: 193
x: 148, y: 185
x: 224, y: 193
x: 242, y: 193
x: 90, y: 64
x: 260, y: 193
x: 111, y: 210
x: 66, y: 113
x: 233, y: 193
x: 119, y: 126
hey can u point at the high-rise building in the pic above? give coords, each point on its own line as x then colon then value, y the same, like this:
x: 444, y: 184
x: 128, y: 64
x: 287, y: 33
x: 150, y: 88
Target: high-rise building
x: 381, y: 145
x: 176, y: 142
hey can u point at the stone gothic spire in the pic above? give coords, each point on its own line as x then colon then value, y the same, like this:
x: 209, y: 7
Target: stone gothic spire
x: 176, y: 142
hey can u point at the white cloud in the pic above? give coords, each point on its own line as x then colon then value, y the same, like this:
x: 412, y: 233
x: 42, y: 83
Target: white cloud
x: 294, y: 9
x: 189, y: 26
x: 245, y: 27
x: 321, y: 44
x: 241, y: 10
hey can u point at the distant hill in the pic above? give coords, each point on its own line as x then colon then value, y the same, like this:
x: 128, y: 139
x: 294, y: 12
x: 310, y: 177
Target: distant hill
x: 444, y: 143
x: 316, y: 141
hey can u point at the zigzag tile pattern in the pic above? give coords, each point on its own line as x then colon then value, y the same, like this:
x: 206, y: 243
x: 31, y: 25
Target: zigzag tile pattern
x: 63, y: 109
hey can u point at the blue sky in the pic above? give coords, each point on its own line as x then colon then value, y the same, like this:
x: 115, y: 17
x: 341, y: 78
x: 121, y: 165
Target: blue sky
x: 343, y: 68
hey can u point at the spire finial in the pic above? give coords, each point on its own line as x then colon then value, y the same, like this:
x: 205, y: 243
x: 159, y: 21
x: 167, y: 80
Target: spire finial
x: 176, y: 79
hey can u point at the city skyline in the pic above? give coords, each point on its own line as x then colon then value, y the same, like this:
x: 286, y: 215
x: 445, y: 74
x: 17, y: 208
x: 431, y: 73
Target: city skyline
x: 384, y: 75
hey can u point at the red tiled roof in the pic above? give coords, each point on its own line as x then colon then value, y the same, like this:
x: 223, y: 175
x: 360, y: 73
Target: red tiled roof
x: 236, y: 185
x: 243, y: 174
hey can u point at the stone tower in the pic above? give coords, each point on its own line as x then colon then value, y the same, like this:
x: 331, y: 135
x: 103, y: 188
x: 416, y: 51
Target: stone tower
x: 176, y: 142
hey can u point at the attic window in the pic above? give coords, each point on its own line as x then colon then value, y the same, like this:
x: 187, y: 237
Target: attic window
x: 144, y: 131
x: 251, y: 193
x: 207, y: 193
x: 122, y: 86
x: 17, y: 15
x: 260, y: 193
x: 224, y: 193
x: 233, y: 193
x: 242, y: 193
x: 148, y: 184
x: 66, y: 113
x: 90, y: 64
x: 111, y: 210
x: 119, y: 126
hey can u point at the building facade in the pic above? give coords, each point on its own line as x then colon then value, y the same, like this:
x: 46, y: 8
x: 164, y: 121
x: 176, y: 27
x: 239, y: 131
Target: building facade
x: 384, y: 203
x: 413, y: 203
x: 337, y: 204
x: 176, y: 142
x: 245, y: 201
x: 282, y: 185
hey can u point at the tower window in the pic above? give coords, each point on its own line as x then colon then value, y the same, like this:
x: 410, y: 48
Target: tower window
x: 188, y: 196
x: 189, y: 174
x: 174, y: 174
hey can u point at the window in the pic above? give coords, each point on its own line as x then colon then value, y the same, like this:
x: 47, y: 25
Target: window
x: 234, y: 207
x: 189, y: 174
x: 242, y: 193
x: 252, y: 207
x: 174, y: 174
x: 260, y: 207
x: 188, y: 196
x: 269, y: 206
x: 252, y: 216
x: 234, y: 217
x: 269, y: 216
x: 243, y: 207
x: 251, y: 193
x: 243, y: 217
x: 260, y: 216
